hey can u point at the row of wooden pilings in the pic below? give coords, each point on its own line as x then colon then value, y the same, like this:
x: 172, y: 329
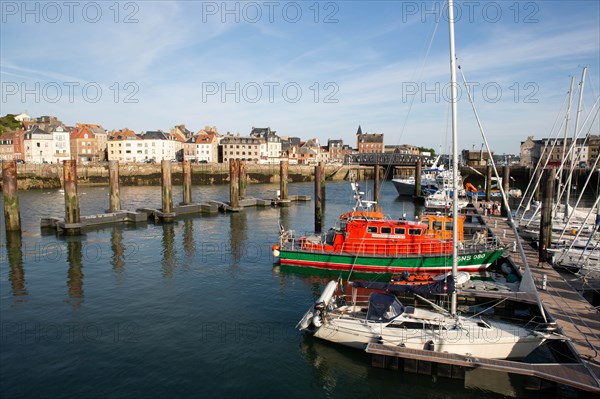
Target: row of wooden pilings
x: 237, y: 184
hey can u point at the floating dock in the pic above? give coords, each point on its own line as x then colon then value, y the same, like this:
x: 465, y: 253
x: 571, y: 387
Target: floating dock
x: 575, y: 317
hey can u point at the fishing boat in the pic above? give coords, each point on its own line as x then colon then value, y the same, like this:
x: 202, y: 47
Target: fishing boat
x: 381, y: 318
x: 368, y: 242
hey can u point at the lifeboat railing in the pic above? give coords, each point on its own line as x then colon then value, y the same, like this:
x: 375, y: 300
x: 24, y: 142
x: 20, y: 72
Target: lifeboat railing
x: 291, y: 243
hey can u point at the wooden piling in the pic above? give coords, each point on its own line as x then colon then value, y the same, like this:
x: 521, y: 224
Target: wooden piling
x: 187, y: 182
x: 536, y: 192
x: 72, y: 215
x: 113, y: 182
x: 167, y: 188
x: 488, y: 186
x: 546, y: 218
x: 376, y: 186
x: 234, y: 198
x: 283, y: 180
x: 242, y: 178
x: 323, y: 187
x: 505, y: 187
x: 12, y: 215
x: 318, y: 200
x: 418, y: 173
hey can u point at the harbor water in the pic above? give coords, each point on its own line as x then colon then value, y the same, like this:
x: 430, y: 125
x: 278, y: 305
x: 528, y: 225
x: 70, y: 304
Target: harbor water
x: 194, y: 308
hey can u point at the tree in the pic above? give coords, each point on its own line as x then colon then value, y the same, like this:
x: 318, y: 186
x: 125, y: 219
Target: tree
x: 8, y: 123
x: 430, y: 150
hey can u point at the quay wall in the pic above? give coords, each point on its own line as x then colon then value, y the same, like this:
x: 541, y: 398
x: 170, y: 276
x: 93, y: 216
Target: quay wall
x: 49, y: 176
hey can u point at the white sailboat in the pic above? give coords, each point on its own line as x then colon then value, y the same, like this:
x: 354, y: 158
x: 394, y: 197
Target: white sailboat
x: 381, y: 318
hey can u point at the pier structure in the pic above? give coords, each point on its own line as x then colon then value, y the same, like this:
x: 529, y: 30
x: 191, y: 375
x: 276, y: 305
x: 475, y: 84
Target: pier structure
x: 575, y: 317
x: 73, y: 223
x: 12, y: 214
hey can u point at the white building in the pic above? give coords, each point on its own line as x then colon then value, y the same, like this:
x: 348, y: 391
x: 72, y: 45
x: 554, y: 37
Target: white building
x: 206, y: 148
x: 61, y: 150
x: 39, y: 146
x: 270, y: 147
x: 160, y: 146
x: 125, y: 146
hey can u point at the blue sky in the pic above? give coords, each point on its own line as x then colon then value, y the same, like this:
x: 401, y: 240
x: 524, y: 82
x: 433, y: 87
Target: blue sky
x: 308, y: 69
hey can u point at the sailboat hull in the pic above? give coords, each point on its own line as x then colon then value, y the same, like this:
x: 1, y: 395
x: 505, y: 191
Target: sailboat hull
x: 496, y: 343
x: 388, y: 264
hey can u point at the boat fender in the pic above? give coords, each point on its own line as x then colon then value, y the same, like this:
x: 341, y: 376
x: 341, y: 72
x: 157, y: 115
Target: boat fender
x: 429, y: 346
x: 317, y: 320
x: 275, y: 250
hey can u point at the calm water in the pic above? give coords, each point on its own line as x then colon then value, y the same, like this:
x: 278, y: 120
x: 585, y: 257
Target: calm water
x: 193, y: 308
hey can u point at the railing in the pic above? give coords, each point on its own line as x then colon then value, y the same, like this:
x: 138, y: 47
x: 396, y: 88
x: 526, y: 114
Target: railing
x: 380, y: 158
x: 443, y: 247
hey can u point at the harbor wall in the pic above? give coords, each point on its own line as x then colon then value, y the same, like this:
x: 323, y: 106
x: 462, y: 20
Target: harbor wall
x: 49, y: 176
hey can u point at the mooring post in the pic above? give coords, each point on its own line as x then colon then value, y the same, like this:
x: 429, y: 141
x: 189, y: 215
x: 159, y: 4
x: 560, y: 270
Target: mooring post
x: 376, y: 186
x: 283, y: 180
x: 418, y: 172
x: 318, y: 200
x: 234, y: 198
x: 546, y: 219
x: 12, y: 216
x: 187, y: 182
x: 536, y: 192
x: 71, y: 197
x: 505, y: 187
x: 113, y: 181
x: 242, y: 178
x: 167, y: 189
x: 323, y: 187
x: 488, y: 186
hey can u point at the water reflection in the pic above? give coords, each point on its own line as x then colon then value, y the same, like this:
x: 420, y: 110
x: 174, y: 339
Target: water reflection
x: 238, y: 225
x: 16, y: 275
x: 168, y: 241
x: 75, y: 272
x: 118, y: 251
x: 189, y: 246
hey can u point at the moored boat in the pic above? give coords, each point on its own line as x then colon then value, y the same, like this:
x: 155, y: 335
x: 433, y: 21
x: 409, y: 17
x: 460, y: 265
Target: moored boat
x: 366, y: 241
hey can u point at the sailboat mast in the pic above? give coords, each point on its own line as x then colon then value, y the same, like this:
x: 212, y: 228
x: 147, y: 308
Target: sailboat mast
x: 453, y: 99
x: 574, y: 146
x: 564, y: 149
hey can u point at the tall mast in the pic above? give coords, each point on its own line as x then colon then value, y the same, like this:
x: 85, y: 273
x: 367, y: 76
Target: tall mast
x: 453, y: 99
x: 564, y: 149
x: 575, y: 134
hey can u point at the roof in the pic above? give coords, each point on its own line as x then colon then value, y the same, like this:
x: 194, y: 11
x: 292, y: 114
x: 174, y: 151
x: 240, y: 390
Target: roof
x: 155, y: 135
x: 124, y: 134
x: 371, y: 138
x: 80, y: 132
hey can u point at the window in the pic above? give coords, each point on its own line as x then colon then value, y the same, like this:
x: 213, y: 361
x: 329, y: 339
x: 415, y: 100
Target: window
x: 448, y: 226
x: 437, y: 225
x: 386, y: 230
x: 414, y: 232
x: 372, y: 229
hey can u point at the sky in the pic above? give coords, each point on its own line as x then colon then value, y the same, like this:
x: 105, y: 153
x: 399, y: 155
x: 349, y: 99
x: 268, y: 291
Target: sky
x: 305, y: 68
